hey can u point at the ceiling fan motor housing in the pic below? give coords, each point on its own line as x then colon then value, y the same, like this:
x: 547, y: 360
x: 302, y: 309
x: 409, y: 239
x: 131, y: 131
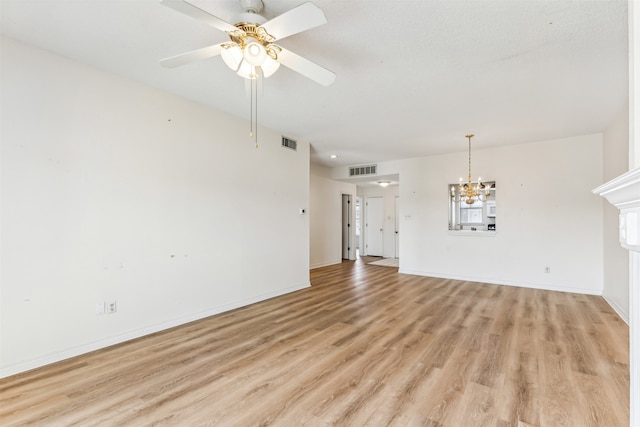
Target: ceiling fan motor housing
x: 252, y: 6
x: 251, y: 12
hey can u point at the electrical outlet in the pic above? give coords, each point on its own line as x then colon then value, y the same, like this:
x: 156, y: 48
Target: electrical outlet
x: 547, y: 270
x: 100, y: 308
x: 112, y: 307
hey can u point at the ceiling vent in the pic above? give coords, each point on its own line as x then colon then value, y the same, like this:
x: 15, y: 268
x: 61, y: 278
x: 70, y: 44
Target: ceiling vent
x: 363, y: 170
x: 289, y: 143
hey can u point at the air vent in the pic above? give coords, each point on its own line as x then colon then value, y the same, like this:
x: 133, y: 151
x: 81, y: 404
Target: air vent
x: 363, y: 170
x: 289, y: 143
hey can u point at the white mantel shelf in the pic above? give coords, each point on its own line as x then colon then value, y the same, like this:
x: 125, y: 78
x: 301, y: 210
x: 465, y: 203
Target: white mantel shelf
x: 624, y: 193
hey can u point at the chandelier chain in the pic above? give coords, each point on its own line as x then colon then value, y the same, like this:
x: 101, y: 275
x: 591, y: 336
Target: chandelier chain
x: 469, y: 137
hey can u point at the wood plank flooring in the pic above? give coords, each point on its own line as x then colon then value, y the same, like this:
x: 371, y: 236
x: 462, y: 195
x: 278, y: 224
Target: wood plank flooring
x: 363, y: 346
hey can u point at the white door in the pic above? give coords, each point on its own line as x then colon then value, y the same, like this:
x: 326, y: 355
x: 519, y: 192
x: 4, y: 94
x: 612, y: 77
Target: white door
x: 397, y: 230
x: 374, y: 212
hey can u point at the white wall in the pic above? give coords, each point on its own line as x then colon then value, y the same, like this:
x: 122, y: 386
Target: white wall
x: 546, y: 216
x: 325, y: 218
x: 112, y: 190
x: 615, y: 160
x: 388, y: 235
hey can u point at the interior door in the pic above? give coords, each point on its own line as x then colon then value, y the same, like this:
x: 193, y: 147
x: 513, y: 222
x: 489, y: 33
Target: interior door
x: 374, y: 212
x: 346, y: 226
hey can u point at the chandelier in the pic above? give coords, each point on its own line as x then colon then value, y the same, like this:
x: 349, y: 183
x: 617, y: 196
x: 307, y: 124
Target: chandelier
x: 467, y: 191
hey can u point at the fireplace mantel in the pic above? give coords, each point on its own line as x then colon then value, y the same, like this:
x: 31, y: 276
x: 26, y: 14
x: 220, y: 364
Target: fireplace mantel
x: 624, y: 193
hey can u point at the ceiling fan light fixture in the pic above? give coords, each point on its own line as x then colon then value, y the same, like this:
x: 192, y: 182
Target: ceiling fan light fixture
x: 255, y: 54
x: 269, y: 67
x: 232, y: 55
x: 247, y: 70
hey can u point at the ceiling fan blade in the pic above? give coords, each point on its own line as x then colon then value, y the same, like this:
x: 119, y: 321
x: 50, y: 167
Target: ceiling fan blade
x: 296, y: 20
x: 306, y: 67
x: 194, y: 55
x: 199, y: 14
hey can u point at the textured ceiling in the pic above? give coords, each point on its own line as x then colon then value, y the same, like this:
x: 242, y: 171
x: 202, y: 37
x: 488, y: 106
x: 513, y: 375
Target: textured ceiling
x: 413, y: 77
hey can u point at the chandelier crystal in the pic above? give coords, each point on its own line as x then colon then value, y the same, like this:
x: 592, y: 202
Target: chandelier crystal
x: 467, y: 191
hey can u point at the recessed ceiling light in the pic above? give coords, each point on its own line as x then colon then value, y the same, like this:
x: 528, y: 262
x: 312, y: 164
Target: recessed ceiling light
x: 333, y: 156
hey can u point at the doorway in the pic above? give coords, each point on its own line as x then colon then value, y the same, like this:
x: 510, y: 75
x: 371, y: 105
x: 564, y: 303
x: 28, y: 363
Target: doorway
x: 358, y: 227
x: 397, y: 226
x: 346, y: 226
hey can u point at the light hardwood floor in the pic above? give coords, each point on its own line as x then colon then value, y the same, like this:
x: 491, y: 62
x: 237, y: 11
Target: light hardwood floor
x: 363, y: 346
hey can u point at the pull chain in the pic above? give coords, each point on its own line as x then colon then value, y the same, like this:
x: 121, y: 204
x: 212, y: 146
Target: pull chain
x: 251, y: 110
x: 256, y: 128
x: 252, y: 134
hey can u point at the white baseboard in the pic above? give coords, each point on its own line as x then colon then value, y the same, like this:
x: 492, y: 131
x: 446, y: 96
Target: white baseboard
x: 624, y: 316
x: 87, y: 348
x: 545, y: 287
x: 324, y: 264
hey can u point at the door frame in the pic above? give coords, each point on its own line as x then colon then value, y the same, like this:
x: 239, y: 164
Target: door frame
x: 396, y: 201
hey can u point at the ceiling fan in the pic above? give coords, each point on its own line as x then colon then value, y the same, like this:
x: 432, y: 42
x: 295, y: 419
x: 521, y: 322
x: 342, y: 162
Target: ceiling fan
x: 251, y: 50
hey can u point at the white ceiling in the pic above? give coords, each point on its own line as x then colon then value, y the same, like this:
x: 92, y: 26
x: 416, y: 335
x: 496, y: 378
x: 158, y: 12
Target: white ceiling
x: 413, y: 77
